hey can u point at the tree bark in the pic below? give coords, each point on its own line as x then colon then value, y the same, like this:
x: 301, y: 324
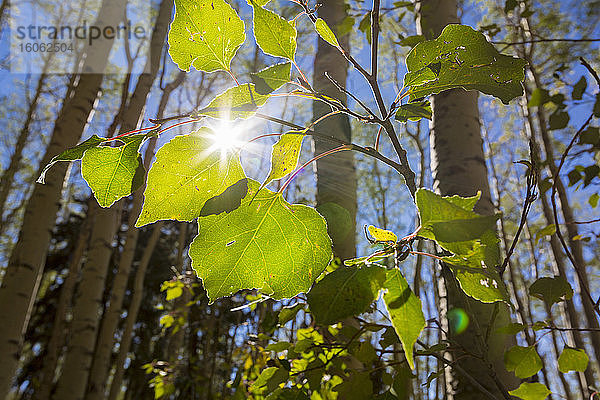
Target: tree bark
x: 131, y: 116
x: 8, y: 176
x: 132, y: 312
x: 458, y: 167
x: 25, y: 267
x: 57, y: 341
x: 336, y: 174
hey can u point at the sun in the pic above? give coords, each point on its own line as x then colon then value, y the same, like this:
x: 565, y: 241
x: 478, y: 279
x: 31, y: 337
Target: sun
x: 227, y: 136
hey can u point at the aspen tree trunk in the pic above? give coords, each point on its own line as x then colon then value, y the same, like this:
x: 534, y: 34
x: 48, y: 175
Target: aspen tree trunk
x: 25, y: 267
x: 131, y: 116
x: 126, y: 340
x: 458, y: 167
x: 56, y: 342
x: 336, y: 175
x: 559, y: 259
x: 132, y: 312
x: 8, y: 176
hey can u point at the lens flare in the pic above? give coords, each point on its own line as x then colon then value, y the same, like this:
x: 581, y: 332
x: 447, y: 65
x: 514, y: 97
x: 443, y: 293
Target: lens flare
x: 458, y: 320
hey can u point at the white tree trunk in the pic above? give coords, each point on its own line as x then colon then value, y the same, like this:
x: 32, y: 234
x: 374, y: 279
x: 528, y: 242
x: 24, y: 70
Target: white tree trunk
x: 458, y: 167
x: 132, y: 312
x: 25, y: 267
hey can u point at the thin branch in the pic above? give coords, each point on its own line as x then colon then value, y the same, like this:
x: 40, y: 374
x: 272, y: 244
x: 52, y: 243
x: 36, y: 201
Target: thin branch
x: 578, y: 268
x: 508, y: 44
x: 591, y: 70
x: 343, y: 90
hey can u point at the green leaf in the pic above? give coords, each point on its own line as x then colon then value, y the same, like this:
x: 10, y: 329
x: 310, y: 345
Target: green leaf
x: 289, y: 313
x: 325, y: 32
x: 402, y: 382
x: 339, y: 221
x: 539, y: 97
x: 596, y: 109
x: 512, y: 328
x: 114, y: 172
x: 345, y: 292
x: 205, y: 34
x: 279, y: 346
x: 227, y: 201
x: 357, y: 386
x: 579, y: 88
x: 166, y: 320
x: 524, y: 361
x: 558, y: 120
x: 510, y: 5
x: 451, y: 222
x: 269, y: 379
x: 405, y: 311
x: 236, y: 102
x: 288, y: 394
x: 186, y: 173
x: 572, y: 360
x: 414, y: 111
x: 382, y: 235
x: 531, y: 391
x: 551, y: 290
x: 284, y: 157
x: 173, y: 293
x: 467, y: 61
x: 593, y: 200
x: 430, y: 73
x: 267, y: 244
x: 590, y: 136
x: 365, y: 26
x: 271, y: 78
x: 72, y: 154
x: 273, y: 33
x: 411, y: 41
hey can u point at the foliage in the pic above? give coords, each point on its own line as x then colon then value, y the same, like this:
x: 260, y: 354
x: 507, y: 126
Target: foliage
x: 251, y: 238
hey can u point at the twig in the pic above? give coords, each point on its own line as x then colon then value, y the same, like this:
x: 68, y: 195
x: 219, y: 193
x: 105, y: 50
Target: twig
x: 458, y: 368
x: 508, y: 44
x: 591, y: 70
x: 530, y: 197
x: 578, y: 268
x: 343, y: 90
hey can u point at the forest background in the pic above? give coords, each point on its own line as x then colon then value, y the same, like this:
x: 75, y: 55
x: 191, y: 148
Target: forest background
x: 160, y: 338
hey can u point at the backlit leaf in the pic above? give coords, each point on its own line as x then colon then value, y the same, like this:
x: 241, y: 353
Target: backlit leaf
x: 572, y: 360
x: 451, y: 222
x: 186, y: 173
x: 413, y: 111
x: 469, y: 61
x: 284, y: 157
x: 72, y: 154
x: 267, y: 244
x: 271, y: 78
x: 205, y: 34
x: 236, y: 102
x: 524, y: 361
x: 531, y: 391
x: 345, y: 292
x: 114, y: 172
x: 382, y: 235
x: 405, y: 311
x: 325, y: 32
x: 273, y: 33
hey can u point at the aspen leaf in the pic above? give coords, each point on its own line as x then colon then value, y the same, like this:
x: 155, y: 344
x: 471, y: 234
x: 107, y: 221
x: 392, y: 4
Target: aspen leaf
x: 205, y: 34
x: 265, y: 244
x: 405, y: 311
x: 467, y: 60
x: 273, y: 33
x: 186, y: 173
